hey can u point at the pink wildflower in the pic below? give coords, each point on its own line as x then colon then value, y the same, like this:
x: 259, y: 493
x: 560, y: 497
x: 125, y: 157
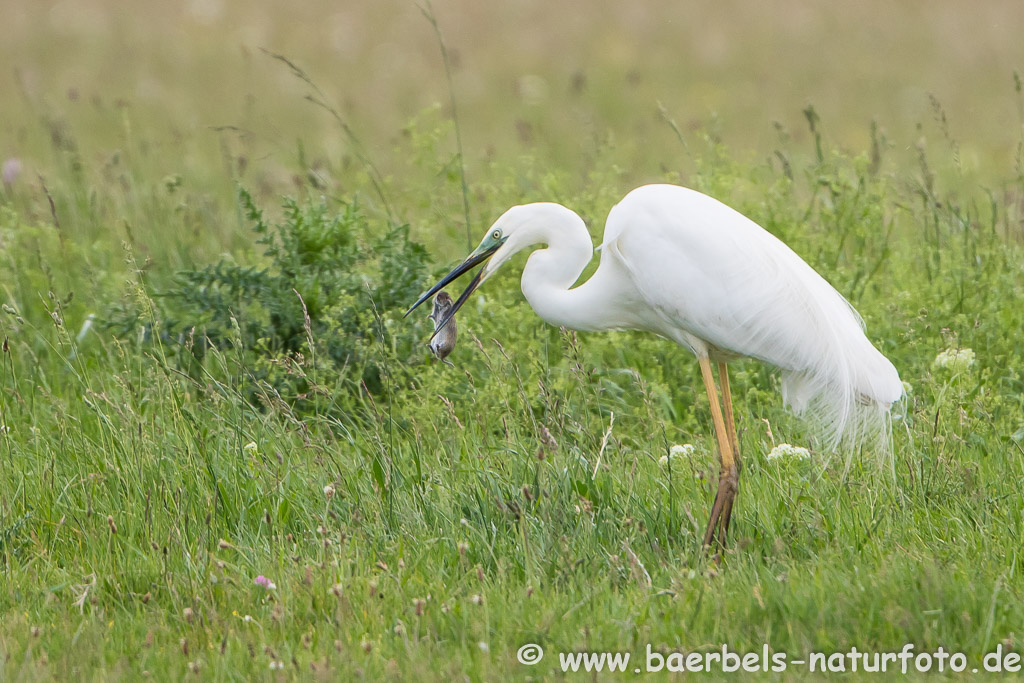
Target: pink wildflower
x: 265, y: 582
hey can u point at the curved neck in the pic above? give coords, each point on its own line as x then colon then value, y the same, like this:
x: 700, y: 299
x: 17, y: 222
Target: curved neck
x: 550, y: 272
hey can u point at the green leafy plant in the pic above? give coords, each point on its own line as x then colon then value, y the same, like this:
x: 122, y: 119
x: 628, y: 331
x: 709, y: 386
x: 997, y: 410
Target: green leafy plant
x: 314, y: 313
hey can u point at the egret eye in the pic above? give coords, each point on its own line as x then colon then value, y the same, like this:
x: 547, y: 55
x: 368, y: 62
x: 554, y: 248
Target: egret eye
x: 496, y: 235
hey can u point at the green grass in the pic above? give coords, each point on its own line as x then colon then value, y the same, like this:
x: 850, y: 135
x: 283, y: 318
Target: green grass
x: 420, y: 521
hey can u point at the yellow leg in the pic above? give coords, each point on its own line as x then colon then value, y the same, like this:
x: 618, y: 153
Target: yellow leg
x: 728, y: 477
x: 730, y: 420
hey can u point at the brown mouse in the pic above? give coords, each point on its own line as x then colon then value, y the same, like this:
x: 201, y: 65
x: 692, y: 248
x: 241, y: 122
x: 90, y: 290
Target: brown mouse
x: 444, y: 342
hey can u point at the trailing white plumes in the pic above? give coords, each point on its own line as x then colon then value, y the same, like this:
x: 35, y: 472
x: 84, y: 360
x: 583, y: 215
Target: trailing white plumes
x: 831, y: 373
x: 842, y: 416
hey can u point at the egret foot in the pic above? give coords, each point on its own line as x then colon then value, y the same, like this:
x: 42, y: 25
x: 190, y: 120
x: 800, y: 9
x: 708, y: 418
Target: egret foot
x: 721, y: 510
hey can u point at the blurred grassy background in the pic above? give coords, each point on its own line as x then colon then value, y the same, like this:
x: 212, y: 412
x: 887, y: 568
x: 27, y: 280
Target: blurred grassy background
x: 529, y: 76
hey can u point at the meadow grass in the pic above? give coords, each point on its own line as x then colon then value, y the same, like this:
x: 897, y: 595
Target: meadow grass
x: 432, y: 527
x: 268, y: 509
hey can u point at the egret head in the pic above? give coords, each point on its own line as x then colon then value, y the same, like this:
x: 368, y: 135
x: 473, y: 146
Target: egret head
x: 496, y: 243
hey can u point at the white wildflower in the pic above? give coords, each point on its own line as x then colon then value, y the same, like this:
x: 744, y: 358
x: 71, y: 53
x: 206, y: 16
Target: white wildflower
x: 956, y: 360
x: 250, y: 448
x: 677, y: 452
x: 788, y: 451
x: 484, y: 647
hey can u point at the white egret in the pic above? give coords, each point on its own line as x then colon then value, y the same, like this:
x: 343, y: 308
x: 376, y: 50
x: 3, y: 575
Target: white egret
x: 685, y: 266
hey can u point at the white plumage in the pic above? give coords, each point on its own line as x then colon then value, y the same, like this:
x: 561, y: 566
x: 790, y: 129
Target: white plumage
x: 717, y: 278
x: 683, y: 265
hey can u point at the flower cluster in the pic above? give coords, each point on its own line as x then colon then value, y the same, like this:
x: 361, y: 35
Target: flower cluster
x: 956, y: 360
x: 264, y: 582
x: 789, y: 451
x: 678, y: 451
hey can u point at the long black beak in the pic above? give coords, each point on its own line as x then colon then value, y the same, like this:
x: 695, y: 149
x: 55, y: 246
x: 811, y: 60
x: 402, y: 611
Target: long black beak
x: 478, y: 256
